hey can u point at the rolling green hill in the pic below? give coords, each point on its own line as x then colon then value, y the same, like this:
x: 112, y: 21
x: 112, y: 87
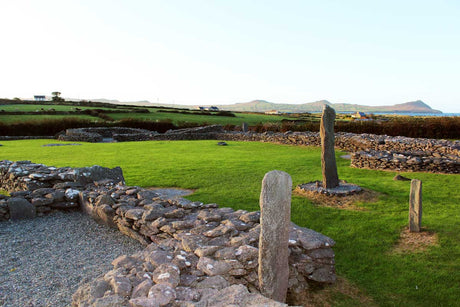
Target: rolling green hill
x: 259, y: 105
x: 317, y: 106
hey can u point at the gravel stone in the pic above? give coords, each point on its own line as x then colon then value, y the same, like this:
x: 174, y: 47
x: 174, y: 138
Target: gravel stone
x: 44, y: 260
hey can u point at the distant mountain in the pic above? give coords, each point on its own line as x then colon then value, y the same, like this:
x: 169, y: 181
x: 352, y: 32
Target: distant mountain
x: 317, y: 106
x: 259, y: 105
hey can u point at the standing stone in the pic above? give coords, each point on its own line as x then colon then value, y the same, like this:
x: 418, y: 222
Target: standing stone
x: 20, y: 209
x: 275, y: 219
x: 245, y: 127
x: 329, y: 167
x: 415, y: 205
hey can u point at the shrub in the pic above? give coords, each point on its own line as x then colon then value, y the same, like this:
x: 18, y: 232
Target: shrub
x: 225, y: 113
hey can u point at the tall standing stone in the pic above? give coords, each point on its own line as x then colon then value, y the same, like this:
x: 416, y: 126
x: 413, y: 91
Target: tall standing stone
x: 415, y: 205
x: 275, y: 221
x: 328, y: 164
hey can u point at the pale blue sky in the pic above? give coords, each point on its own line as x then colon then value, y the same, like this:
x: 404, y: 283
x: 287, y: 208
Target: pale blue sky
x: 218, y: 52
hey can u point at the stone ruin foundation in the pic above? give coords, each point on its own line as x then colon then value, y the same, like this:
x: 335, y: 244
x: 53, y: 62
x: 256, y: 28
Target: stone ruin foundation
x: 343, y: 189
x: 196, y: 254
x: 105, y: 134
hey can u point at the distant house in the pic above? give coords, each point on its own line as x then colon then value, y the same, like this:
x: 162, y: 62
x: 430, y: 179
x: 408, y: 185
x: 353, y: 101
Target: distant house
x: 212, y: 108
x: 359, y: 115
x: 273, y: 112
x: 39, y: 98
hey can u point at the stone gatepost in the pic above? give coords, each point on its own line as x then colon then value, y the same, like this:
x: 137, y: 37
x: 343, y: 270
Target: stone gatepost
x: 328, y: 164
x: 415, y: 205
x: 275, y: 222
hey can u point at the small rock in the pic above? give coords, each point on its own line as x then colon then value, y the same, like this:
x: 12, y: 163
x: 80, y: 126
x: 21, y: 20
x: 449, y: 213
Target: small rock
x: 121, y: 285
x: 187, y: 294
x: 142, y: 289
x: 109, y: 301
x: 125, y: 262
x: 209, y: 216
x: 167, y: 274
x: 206, y: 250
x: 143, y: 302
x: 400, y: 178
x: 159, y: 257
x: 246, y: 253
x: 72, y: 194
x: 163, y: 294
x: 134, y: 214
x: 212, y: 267
x: 251, y: 217
x: 214, y: 282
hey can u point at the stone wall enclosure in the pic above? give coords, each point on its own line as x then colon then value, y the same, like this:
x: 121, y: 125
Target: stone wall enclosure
x: 368, y: 150
x: 196, y: 254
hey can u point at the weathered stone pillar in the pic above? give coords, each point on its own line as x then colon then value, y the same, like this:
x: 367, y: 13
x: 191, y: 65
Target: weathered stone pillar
x: 328, y: 164
x: 244, y: 127
x: 275, y: 221
x: 415, y: 205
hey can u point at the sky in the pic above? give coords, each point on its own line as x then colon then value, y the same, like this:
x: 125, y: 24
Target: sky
x: 201, y: 52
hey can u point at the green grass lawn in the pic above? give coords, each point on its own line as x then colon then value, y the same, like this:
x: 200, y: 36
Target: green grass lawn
x: 231, y: 176
x: 176, y: 118
x: 9, y: 119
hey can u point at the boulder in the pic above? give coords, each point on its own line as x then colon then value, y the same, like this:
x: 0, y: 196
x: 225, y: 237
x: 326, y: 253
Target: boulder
x: 20, y: 209
x: 94, y: 173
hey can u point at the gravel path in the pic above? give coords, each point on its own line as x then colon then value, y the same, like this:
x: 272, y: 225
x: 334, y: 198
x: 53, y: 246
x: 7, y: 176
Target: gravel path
x: 43, y: 261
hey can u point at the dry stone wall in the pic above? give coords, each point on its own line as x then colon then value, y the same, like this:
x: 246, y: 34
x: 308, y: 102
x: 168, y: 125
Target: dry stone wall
x: 194, y: 249
x: 405, y: 161
x: 42, y: 188
x: 196, y: 254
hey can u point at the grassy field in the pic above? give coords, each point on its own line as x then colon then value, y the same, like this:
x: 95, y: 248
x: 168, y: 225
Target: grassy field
x: 178, y: 118
x: 231, y: 176
x: 9, y: 119
x: 38, y: 107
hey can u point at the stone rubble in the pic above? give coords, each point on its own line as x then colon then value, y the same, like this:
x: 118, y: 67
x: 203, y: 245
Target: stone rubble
x: 196, y: 254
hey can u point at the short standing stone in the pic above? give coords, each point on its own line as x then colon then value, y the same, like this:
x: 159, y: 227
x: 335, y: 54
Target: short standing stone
x: 275, y: 206
x: 328, y: 164
x: 244, y: 127
x: 20, y: 208
x: 415, y: 205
